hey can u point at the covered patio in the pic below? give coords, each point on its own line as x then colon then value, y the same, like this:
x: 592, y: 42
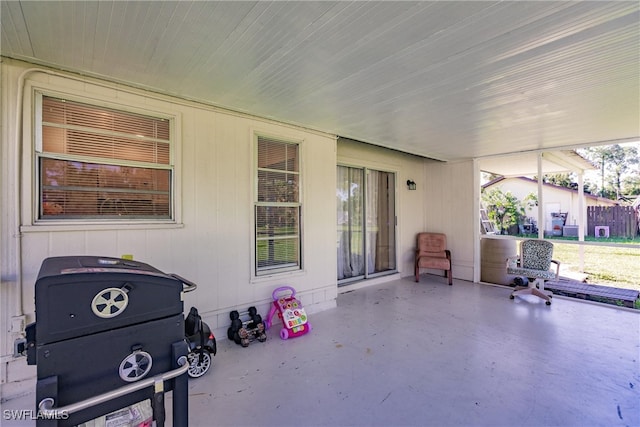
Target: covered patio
x: 424, y: 92
x: 405, y: 354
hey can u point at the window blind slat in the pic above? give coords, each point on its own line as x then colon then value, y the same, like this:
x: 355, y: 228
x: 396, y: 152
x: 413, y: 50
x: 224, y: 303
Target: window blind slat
x: 66, y: 141
x: 277, y: 155
x: 277, y: 187
x: 66, y: 112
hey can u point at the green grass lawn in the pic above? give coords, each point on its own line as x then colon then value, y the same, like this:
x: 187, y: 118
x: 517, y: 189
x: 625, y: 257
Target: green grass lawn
x: 609, y: 266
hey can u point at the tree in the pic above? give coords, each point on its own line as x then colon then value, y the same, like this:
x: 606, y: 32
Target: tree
x: 615, y: 162
x: 622, y: 160
x: 601, y: 156
x: 488, y: 176
x: 590, y: 187
x: 560, y: 179
x: 505, y: 209
x: 631, y: 185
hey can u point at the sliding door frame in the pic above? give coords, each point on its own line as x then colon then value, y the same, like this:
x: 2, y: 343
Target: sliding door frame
x: 366, y: 250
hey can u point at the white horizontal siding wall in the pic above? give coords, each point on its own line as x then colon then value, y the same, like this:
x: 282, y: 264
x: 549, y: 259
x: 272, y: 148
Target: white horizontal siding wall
x: 213, y: 243
x: 450, y: 195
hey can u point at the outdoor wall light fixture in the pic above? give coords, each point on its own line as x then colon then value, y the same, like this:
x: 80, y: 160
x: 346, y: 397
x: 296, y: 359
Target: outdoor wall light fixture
x: 411, y: 185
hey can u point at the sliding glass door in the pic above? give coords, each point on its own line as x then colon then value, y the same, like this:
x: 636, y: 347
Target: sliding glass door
x: 350, y: 205
x: 381, y: 222
x: 366, y: 223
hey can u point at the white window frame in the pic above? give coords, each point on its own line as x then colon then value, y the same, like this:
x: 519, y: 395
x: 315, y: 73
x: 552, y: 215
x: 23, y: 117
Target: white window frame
x: 99, y: 223
x: 259, y: 272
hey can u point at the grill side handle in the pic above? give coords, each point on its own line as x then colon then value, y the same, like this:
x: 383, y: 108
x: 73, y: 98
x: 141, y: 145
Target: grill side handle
x: 190, y: 286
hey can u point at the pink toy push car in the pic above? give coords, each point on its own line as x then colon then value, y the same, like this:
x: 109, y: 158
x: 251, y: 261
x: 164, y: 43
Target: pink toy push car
x: 290, y: 311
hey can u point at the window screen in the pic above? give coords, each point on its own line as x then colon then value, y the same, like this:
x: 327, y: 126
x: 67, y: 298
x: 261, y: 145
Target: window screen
x: 278, y: 208
x: 100, y: 163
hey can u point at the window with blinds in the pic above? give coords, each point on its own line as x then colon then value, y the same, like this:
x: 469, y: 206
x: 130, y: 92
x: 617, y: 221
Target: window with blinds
x: 278, y: 208
x: 99, y: 163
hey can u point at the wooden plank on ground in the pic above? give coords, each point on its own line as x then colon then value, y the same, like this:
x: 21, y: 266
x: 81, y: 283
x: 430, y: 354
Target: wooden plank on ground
x: 607, y: 294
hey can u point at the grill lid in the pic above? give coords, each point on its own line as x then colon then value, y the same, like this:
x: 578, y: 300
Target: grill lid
x: 81, y: 295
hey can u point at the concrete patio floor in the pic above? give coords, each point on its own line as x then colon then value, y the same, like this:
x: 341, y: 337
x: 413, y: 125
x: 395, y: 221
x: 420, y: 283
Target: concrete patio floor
x: 427, y: 354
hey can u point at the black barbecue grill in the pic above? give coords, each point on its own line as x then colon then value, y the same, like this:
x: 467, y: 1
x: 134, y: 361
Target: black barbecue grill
x: 109, y: 333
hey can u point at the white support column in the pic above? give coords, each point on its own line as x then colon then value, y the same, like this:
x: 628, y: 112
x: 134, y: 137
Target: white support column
x: 582, y: 215
x: 476, y: 221
x: 541, y: 218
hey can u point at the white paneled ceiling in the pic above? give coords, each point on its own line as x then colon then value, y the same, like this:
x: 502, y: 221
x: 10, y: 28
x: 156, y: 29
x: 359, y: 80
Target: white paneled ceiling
x: 445, y: 79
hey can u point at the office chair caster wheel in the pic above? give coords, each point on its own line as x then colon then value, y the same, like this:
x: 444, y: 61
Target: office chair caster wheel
x: 511, y: 297
x: 548, y: 303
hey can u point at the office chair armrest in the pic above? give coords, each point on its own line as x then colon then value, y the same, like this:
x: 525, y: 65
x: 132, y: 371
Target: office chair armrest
x: 557, y: 263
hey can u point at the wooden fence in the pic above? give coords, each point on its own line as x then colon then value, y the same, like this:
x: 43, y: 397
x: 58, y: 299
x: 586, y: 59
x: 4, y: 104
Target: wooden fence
x: 621, y: 220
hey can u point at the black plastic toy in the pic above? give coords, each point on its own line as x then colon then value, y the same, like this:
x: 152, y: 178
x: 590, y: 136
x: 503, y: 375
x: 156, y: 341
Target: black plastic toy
x: 242, y: 332
x: 202, y: 344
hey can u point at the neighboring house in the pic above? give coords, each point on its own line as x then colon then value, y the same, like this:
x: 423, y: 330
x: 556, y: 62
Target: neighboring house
x: 556, y: 199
